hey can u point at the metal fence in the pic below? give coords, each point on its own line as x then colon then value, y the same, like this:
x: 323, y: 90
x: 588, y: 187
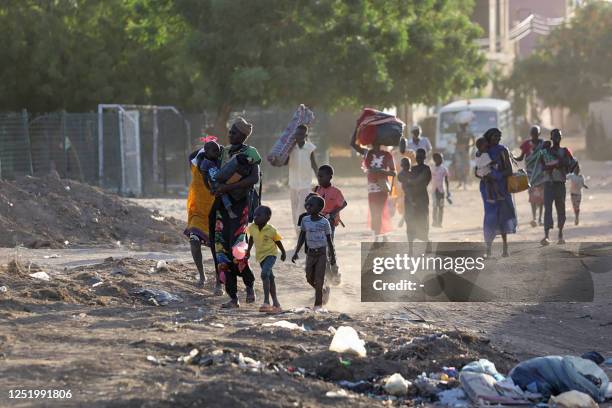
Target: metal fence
x: 142, y: 152
x: 73, y: 145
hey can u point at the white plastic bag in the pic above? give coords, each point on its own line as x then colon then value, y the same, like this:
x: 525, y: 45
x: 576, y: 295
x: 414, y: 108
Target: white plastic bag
x: 346, y: 340
x: 397, y: 385
x: 285, y: 325
x: 41, y: 275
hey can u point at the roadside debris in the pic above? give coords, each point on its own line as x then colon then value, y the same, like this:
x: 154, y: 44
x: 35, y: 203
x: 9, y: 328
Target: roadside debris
x: 41, y: 275
x: 338, y: 394
x: 346, y: 340
x: 192, y: 358
x: 285, y: 325
x: 572, y: 399
x: 153, y: 360
x: 485, y: 367
x: 454, y: 398
x: 557, y: 374
x: 162, y: 266
x: 156, y: 296
x: 397, y: 385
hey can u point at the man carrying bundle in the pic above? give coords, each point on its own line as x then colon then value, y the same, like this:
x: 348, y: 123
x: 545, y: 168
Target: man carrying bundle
x: 302, y: 166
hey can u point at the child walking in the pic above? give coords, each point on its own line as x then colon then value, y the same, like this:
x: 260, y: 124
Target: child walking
x: 267, y: 242
x: 484, y: 164
x: 439, y: 176
x: 316, y: 232
x: 334, y: 203
x: 414, y: 180
x: 576, y: 184
x: 334, y: 200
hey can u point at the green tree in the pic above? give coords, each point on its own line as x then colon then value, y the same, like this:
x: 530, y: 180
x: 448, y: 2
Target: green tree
x: 330, y: 53
x: 74, y: 54
x: 571, y: 67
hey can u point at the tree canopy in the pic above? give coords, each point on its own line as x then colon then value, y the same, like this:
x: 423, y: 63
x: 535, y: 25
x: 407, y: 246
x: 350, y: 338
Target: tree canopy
x: 330, y: 53
x: 571, y: 67
x: 226, y: 55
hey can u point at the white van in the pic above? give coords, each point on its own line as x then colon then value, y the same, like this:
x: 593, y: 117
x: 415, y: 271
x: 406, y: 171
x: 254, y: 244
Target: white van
x: 486, y: 113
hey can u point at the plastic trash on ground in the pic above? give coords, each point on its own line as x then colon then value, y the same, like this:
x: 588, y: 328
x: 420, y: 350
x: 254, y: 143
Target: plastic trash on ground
x: 249, y: 363
x: 285, y: 325
x: 338, y: 394
x: 483, y: 366
x: 156, y: 296
x: 428, y: 387
x: 346, y: 340
x: 162, y: 266
x: 397, y: 385
x: 454, y: 398
x: 192, y: 358
x: 482, y: 387
x: 572, y: 399
x: 41, y: 275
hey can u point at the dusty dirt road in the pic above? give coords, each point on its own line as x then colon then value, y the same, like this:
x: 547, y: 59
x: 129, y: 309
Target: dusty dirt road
x: 112, y: 349
x: 528, y: 329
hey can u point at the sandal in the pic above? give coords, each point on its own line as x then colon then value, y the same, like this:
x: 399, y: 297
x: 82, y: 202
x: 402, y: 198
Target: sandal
x: 275, y: 310
x: 265, y: 308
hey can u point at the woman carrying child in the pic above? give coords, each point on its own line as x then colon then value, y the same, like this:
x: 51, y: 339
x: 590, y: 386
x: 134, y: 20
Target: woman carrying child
x: 230, y: 233
x: 499, y: 215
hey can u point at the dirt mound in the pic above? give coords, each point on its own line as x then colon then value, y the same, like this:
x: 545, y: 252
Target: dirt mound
x: 111, y: 282
x: 408, y: 353
x: 47, y: 212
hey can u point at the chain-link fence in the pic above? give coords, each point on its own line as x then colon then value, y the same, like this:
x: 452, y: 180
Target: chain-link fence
x: 132, y: 150
x: 15, y: 152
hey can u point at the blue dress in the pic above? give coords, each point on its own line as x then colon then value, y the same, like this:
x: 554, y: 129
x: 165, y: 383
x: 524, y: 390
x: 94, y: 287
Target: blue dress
x: 499, y: 216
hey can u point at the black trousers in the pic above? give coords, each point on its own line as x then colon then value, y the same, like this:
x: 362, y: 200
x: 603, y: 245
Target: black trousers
x: 231, y: 280
x: 554, y: 192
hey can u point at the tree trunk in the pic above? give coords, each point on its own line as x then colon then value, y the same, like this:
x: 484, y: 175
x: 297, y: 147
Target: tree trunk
x: 219, y: 128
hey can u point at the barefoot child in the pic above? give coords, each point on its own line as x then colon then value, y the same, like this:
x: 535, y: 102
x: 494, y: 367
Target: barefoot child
x: 267, y: 241
x: 439, y: 176
x: 316, y: 232
x: 576, y: 184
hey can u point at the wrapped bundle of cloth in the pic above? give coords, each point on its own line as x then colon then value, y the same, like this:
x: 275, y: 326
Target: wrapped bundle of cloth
x: 378, y: 127
x: 279, y: 155
x: 553, y: 375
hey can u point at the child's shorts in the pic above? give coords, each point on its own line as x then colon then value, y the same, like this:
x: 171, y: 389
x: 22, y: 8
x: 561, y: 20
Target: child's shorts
x: 576, y: 198
x: 266, y: 267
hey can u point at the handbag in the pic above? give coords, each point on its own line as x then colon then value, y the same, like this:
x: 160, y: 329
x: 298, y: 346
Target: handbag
x: 518, y: 181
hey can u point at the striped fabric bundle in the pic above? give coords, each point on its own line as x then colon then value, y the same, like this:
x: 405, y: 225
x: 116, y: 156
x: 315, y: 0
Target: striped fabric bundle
x: 279, y: 155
